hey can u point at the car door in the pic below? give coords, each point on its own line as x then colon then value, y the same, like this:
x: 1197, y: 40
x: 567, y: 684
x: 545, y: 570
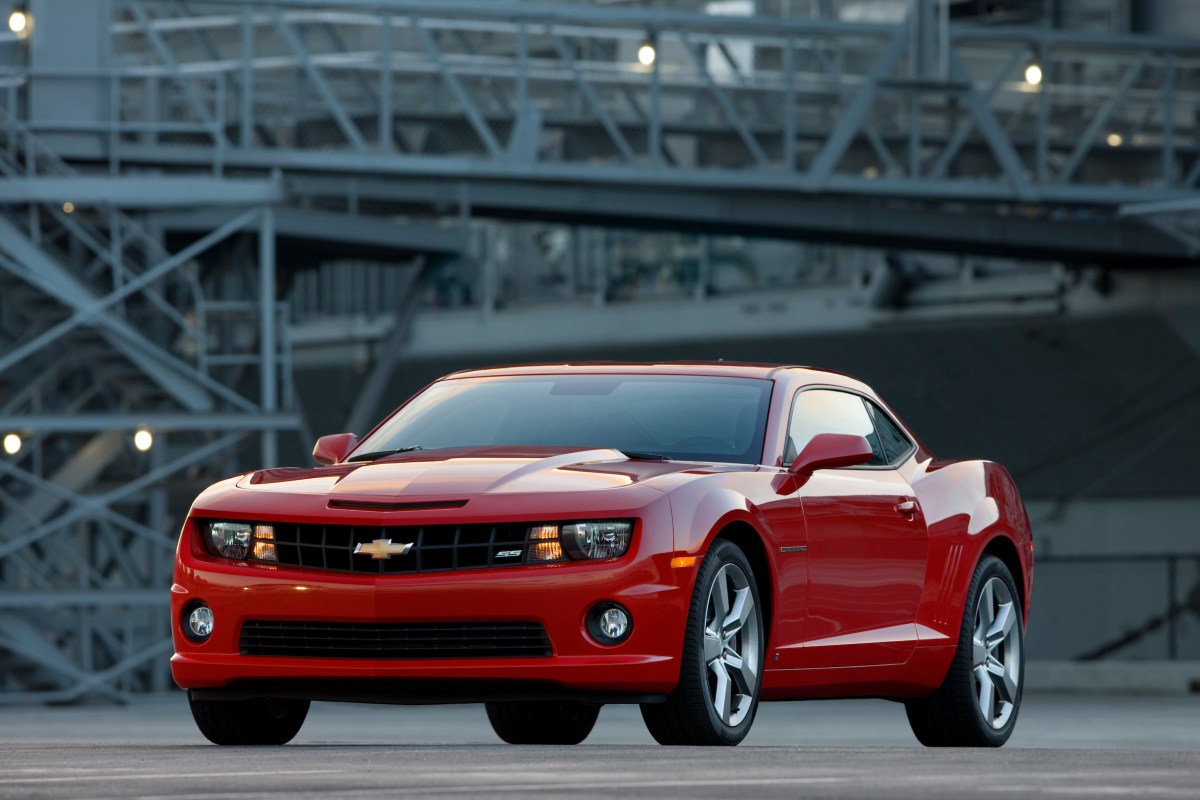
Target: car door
x: 867, y: 541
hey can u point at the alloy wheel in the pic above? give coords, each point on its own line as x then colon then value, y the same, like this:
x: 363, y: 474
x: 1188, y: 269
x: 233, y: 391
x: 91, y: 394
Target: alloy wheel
x: 732, y: 640
x: 996, y: 650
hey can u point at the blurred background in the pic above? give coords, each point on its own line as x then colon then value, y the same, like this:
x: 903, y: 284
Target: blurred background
x: 227, y: 228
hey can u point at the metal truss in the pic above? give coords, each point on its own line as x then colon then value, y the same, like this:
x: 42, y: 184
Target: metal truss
x: 104, y: 331
x: 215, y: 113
x: 520, y: 96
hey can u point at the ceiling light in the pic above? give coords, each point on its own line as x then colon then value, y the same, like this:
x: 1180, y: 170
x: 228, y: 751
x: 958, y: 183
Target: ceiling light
x: 12, y: 444
x: 18, y: 22
x: 1033, y: 74
x: 647, y: 53
x: 143, y: 440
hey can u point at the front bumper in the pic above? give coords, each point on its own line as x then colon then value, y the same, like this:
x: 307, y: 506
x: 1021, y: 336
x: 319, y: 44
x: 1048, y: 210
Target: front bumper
x: 558, y: 596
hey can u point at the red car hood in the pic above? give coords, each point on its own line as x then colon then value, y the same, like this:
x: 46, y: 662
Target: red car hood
x: 463, y: 473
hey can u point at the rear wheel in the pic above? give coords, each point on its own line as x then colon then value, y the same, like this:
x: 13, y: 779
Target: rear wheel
x: 259, y: 720
x: 977, y: 703
x: 721, y: 670
x: 545, y: 722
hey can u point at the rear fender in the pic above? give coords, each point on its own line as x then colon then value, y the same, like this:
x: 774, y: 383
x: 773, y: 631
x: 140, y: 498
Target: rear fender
x: 968, y: 506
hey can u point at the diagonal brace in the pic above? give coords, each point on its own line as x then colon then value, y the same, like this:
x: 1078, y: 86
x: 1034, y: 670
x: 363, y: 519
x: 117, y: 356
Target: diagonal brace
x: 727, y: 107
x: 482, y: 129
x: 593, y: 100
x: 344, y: 123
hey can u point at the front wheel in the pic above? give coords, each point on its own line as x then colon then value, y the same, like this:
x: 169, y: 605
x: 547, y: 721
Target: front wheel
x: 721, y: 671
x: 977, y: 703
x: 259, y: 720
x: 545, y: 722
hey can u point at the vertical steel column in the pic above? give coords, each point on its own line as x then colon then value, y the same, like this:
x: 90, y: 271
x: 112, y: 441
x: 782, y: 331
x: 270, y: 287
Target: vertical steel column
x: 522, y: 70
x: 1042, y: 137
x: 655, y: 143
x: 266, y: 300
x: 1168, y: 152
x: 789, y: 104
x: 1172, y: 617
x: 246, y: 131
x: 385, y: 84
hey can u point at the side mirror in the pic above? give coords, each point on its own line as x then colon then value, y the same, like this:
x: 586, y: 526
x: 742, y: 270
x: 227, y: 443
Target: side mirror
x: 830, y: 451
x: 334, y: 448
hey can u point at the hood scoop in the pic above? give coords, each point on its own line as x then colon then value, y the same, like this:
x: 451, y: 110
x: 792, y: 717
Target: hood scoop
x: 371, y: 505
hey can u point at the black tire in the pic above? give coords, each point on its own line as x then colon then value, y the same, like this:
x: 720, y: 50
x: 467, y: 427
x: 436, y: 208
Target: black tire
x: 543, y: 722
x: 953, y: 715
x: 260, y: 720
x: 690, y: 716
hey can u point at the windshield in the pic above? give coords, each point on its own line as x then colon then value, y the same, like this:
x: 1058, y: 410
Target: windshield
x: 681, y: 417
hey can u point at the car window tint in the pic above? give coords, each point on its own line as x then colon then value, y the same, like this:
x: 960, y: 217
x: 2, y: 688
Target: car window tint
x: 679, y: 416
x: 825, y: 411
x: 895, y: 443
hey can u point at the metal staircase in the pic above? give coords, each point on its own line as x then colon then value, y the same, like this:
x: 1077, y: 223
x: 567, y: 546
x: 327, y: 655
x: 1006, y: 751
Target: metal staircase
x: 103, y: 331
x: 138, y: 230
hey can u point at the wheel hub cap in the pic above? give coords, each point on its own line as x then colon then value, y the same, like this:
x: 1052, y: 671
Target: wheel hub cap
x: 996, y: 650
x: 731, y: 645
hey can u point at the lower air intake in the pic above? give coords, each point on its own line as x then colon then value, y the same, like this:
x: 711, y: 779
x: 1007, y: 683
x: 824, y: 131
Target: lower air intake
x: 395, y: 639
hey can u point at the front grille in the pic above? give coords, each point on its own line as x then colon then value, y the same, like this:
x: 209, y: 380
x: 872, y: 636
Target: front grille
x: 435, y: 548
x: 395, y: 639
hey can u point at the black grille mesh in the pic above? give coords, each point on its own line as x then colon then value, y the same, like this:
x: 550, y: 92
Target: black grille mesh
x: 435, y: 548
x: 394, y: 639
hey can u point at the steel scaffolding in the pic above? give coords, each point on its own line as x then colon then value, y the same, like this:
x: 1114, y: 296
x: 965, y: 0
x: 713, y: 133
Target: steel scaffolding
x: 103, y: 332
x: 503, y: 107
x: 145, y: 191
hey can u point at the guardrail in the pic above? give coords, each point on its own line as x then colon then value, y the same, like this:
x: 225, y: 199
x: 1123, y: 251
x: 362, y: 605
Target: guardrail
x: 1174, y: 608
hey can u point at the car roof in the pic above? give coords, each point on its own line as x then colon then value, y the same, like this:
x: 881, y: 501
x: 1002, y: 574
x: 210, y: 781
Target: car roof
x: 730, y: 369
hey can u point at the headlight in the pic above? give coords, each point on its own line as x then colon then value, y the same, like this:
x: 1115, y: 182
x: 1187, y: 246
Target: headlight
x: 239, y: 540
x: 597, y: 539
x: 604, y: 539
x: 230, y: 539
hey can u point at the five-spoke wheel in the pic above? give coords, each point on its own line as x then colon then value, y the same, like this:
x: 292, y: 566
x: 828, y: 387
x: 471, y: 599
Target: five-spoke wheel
x: 977, y: 703
x: 996, y: 653
x: 731, y: 645
x: 721, y: 670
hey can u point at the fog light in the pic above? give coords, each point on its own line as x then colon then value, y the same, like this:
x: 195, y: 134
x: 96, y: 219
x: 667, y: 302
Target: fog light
x: 200, y: 623
x: 614, y: 623
x: 609, y: 623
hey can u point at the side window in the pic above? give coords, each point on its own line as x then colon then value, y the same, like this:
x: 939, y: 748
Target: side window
x: 895, y: 443
x: 826, y: 411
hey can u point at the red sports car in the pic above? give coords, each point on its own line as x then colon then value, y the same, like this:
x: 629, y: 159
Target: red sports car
x: 691, y: 537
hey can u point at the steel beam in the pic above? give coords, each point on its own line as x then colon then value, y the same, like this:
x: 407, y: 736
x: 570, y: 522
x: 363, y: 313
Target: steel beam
x: 142, y: 191
x: 154, y: 421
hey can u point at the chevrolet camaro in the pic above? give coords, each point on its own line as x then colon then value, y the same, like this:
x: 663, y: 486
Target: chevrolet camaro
x: 691, y: 537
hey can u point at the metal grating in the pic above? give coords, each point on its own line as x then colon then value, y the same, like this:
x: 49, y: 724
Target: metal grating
x: 395, y: 639
x: 435, y: 548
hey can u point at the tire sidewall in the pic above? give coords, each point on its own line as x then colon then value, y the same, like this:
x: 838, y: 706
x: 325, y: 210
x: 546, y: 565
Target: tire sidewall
x: 724, y: 552
x: 992, y: 567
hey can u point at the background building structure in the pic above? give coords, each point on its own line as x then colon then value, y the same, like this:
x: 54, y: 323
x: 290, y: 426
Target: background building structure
x: 236, y: 226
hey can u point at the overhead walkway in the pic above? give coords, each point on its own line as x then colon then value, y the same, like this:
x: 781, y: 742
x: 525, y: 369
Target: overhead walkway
x: 817, y: 129
x: 172, y: 170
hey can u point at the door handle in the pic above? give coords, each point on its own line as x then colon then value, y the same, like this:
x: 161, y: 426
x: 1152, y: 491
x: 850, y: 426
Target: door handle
x: 907, y: 507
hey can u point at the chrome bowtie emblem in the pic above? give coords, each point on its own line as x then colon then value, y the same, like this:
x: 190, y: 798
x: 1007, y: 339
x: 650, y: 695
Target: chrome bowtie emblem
x: 382, y: 549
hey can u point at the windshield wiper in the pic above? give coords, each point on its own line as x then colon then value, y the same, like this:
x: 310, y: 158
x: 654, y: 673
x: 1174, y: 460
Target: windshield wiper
x: 638, y: 455
x: 378, y: 454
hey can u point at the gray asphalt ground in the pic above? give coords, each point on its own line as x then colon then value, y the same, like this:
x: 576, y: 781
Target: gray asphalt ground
x: 1065, y: 746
